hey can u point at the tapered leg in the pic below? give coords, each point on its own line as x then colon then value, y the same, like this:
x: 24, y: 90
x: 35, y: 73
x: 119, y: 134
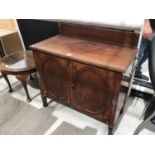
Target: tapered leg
x: 8, y: 82
x: 44, y: 99
x: 122, y: 110
x: 110, y: 130
x: 31, y: 77
x: 22, y: 79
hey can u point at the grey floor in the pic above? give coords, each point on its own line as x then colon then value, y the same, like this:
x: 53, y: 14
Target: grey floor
x: 18, y: 117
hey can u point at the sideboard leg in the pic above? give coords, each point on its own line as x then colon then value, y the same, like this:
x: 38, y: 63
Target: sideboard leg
x: 44, y: 99
x: 31, y: 77
x: 110, y: 130
x: 122, y: 110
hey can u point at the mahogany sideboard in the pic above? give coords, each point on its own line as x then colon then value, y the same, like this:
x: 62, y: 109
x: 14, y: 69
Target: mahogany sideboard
x: 82, y: 68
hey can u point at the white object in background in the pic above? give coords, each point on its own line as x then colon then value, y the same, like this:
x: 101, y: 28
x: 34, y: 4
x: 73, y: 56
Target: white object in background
x: 129, y: 24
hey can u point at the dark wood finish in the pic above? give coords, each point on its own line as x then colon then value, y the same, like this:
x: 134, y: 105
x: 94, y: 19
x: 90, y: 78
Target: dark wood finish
x: 52, y: 70
x: 7, y: 81
x: 20, y: 64
x: 110, y: 130
x: 94, y: 85
x: 100, y: 34
x: 89, y: 86
x: 86, y: 74
x: 92, y: 53
x: 22, y: 79
x: 44, y: 99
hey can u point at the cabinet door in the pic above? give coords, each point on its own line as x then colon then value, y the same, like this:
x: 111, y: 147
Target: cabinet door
x: 90, y: 93
x: 54, y: 77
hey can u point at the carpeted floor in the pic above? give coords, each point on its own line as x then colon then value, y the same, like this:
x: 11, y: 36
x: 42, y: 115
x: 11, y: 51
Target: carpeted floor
x: 17, y: 117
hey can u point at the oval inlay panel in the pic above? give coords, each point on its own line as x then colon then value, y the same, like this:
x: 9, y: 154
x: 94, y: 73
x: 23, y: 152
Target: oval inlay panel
x: 90, y: 92
x: 56, y: 78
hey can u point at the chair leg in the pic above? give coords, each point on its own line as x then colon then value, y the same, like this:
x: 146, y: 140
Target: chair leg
x: 142, y: 125
x: 145, y: 108
x: 8, y: 82
x: 132, y: 74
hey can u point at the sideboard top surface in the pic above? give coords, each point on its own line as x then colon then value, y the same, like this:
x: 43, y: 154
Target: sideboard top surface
x: 112, y: 57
